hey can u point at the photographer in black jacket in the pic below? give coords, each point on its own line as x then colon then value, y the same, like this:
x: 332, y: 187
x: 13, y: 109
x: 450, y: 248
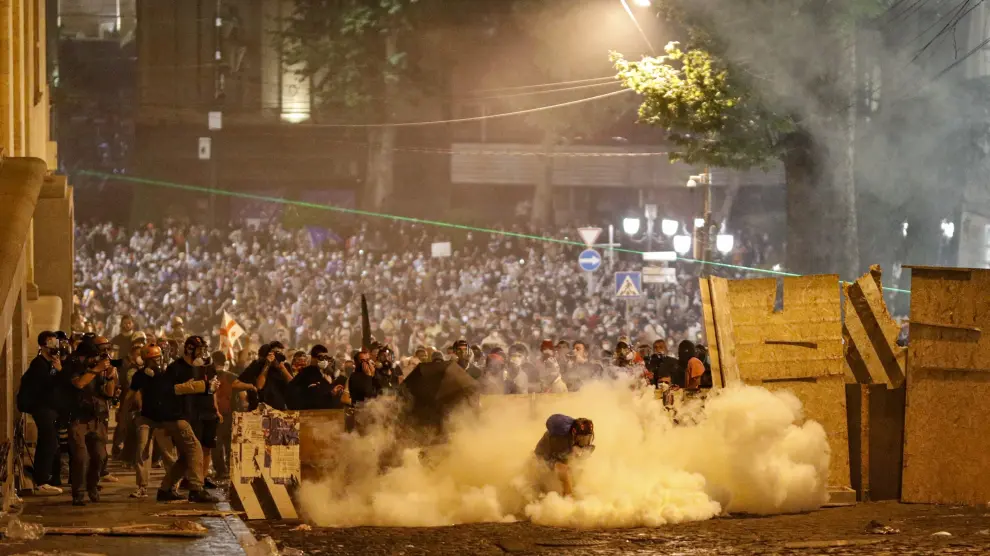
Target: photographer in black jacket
x: 93, y: 381
x: 35, y: 398
x: 270, y: 375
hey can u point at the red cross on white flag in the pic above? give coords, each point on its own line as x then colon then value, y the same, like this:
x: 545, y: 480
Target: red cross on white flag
x: 229, y: 332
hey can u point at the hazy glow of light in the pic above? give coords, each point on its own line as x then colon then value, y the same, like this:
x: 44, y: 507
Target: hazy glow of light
x: 904, y: 229
x: 669, y: 227
x: 630, y: 225
x: 642, y: 3
x: 724, y: 243
x: 948, y: 229
x: 776, y: 267
x: 699, y: 223
x: 682, y: 244
x: 295, y: 117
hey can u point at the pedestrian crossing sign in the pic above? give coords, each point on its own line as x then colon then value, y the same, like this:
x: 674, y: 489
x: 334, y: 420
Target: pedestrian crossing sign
x: 628, y: 284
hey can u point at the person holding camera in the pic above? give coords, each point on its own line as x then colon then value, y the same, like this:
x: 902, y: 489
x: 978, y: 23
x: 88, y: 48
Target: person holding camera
x: 270, y: 377
x: 35, y: 398
x: 94, y: 382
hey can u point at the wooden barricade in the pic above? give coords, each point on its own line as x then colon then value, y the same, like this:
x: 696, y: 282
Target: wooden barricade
x: 798, y: 348
x: 264, y: 458
x: 872, y: 353
x: 946, y: 445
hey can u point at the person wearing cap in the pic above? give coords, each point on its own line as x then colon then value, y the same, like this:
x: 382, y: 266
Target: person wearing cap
x: 34, y: 397
x: 319, y: 385
x: 565, y: 439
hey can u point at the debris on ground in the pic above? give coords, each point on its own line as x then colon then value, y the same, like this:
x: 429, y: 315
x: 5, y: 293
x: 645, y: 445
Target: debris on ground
x: 198, y: 513
x: 832, y: 544
x: 288, y: 551
x: 259, y: 547
x: 18, y: 530
x: 877, y: 528
x: 184, y: 529
x: 942, y: 534
x: 302, y: 527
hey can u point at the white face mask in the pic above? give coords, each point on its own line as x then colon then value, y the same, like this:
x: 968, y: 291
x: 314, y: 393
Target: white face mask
x: 226, y: 366
x: 139, y: 361
x: 198, y: 362
x: 323, y: 365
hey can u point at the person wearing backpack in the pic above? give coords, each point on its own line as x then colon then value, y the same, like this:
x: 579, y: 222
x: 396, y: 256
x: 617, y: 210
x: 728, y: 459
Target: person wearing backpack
x: 565, y: 438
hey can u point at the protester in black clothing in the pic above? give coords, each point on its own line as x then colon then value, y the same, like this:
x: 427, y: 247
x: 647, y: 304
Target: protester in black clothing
x: 35, y: 398
x: 93, y: 381
x: 162, y: 404
x: 201, y: 411
x: 663, y: 367
x: 316, y: 386
x: 270, y: 376
x: 465, y: 358
x: 364, y: 383
x: 389, y: 373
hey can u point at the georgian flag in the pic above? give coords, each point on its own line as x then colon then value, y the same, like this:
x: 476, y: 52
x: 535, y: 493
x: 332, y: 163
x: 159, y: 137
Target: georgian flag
x: 229, y: 332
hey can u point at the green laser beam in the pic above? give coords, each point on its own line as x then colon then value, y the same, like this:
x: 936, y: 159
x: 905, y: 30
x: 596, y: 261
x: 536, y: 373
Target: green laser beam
x: 395, y: 217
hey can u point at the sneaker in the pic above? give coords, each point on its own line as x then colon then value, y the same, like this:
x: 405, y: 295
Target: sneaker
x: 78, y: 501
x: 207, y: 483
x: 202, y: 497
x: 110, y: 478
x: 168, y: 496
x: 94, y: 496
x: 47, y: 490
x: 141, y: 492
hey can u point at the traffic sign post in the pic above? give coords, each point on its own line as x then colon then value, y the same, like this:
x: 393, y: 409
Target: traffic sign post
x: 589, y: 235
x: 590, y: 260
x: 628, y: 285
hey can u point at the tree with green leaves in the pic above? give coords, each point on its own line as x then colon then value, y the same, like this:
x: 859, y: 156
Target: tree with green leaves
x: 754, y: 83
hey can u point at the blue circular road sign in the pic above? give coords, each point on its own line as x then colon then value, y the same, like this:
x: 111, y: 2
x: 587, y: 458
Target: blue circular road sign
x: 590, y: 260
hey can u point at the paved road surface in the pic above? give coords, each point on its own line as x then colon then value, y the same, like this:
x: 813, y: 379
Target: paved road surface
x: 821, y: 531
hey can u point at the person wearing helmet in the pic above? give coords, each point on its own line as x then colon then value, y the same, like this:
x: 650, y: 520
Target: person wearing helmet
x: 565, y: 439
x: 148, y: 431
x: 163, y: 400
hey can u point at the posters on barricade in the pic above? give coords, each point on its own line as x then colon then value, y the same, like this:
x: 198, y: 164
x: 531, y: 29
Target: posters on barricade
x: 266, y: 444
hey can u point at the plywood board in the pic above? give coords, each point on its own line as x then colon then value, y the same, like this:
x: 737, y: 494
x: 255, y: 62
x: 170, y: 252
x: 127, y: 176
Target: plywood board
x: 872, y: 353
x: 946, y: 445
x: 824, y: 401
x: 710, y: 335
x: 724, y: 330
x: 279, y: 494
x: 804, y: 340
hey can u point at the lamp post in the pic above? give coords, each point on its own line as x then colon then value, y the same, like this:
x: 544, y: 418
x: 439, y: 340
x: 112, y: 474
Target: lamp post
x: 704, y: 234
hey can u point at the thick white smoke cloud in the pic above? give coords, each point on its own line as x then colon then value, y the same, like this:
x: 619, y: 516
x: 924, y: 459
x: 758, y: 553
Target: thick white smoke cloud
x: 749, y: 451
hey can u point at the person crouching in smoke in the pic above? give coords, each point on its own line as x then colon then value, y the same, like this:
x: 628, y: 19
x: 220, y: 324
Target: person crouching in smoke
x: 566, y: 439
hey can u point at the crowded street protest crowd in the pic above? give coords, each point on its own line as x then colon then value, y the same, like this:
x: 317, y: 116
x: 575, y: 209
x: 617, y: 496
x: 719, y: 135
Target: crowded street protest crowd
x: 151, y: 339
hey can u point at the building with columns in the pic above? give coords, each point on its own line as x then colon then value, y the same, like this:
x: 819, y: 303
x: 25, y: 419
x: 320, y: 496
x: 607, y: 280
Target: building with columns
x: 36, y: 210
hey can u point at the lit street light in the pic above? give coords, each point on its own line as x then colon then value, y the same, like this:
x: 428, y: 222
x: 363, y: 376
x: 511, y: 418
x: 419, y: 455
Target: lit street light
x: 669, y: 227
x: 682, y: 244
x: 632, y: 16
x: 724, y: 243
x: 630, y: 225
x: 948, y: 229
x: 642, y: 3
x: 699, y: 223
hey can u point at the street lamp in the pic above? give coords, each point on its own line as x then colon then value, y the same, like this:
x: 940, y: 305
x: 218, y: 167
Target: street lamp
x: 642, y: 3
x: 669, y: 227
x: 724, y: 243
x: 682, y: 244
x: 632, y: 16
x: 630, y: 225
x: 699, y: 223
x: 704, y: 235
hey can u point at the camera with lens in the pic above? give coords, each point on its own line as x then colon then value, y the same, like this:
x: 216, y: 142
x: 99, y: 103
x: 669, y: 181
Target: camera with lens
x: 279, y: 357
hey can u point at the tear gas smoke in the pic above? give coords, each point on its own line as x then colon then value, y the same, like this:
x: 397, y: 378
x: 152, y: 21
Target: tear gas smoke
x: 749, y: 450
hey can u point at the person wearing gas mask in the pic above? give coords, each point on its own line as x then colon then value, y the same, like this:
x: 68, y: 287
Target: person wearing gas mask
x: 93, y: 382
x: 388, y: 371
x: 201, y: 410
x: 163, y: 399
x: 270, y: 376
x: 35, y: 398
x: 465, y: 358
x: 147, y: 431
x: 320, y: 385
x: 565, y: 440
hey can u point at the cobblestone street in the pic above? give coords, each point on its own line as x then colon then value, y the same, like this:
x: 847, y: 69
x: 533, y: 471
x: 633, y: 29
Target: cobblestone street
x: 837, y: 531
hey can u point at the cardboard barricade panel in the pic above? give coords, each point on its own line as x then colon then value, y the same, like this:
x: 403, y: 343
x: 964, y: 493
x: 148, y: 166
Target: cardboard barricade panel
x: 872, y: 353
x: 264, y: 459
x: 946, y: 446
x: 798, y: 348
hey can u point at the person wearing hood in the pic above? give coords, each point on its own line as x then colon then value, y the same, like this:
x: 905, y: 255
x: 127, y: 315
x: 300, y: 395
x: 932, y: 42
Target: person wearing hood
x: 319, y: 385
x: 690, y: 367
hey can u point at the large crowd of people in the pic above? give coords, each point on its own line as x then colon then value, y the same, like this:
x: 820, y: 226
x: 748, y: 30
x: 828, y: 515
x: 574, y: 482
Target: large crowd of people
x: 303, y: 287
